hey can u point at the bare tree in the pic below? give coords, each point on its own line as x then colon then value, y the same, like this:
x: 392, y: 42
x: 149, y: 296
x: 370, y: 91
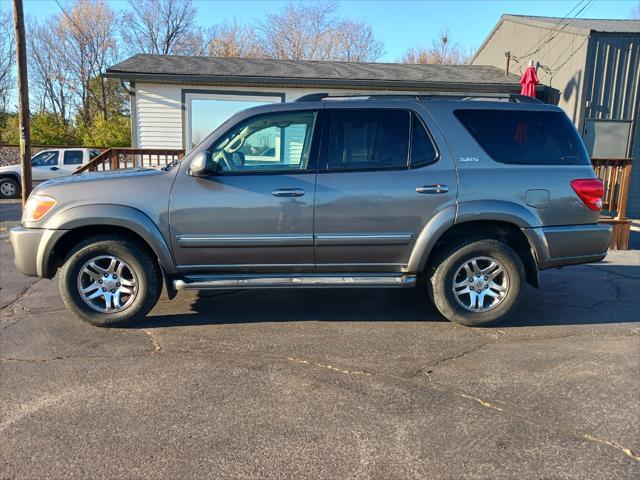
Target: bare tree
x: 233, y: 40
x: 441, y: 51
x: 311, y: 31
x: 634, y: 14
x: 7, y: 60
x: 87, y: 33
x: 50, y: 80
x: 355, y: 42
x: 161, y: 27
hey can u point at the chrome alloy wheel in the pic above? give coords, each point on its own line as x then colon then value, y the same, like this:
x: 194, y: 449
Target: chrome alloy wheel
x: 480, y: 284
x: 107, y: 284
x: 7, y: 189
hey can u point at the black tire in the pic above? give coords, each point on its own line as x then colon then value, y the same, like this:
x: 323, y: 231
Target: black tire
x: 445, y: 266
x: 144, y: 266
x: 9, y: 187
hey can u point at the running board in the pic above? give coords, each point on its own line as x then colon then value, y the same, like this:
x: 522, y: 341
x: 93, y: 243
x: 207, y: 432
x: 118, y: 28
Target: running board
x: 213, y: 282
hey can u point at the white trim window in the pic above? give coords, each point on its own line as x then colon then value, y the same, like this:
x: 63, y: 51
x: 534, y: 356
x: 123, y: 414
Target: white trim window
x: 204, y: 112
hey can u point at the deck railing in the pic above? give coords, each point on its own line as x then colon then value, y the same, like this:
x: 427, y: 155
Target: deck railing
x: 615, y: 174
x: 120, y: 158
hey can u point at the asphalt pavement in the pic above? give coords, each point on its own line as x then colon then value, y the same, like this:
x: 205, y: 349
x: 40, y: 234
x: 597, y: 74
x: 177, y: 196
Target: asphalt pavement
x: 325, y: 384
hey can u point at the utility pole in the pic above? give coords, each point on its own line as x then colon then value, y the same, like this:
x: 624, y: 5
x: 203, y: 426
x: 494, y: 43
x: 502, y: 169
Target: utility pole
x: 23, y: 100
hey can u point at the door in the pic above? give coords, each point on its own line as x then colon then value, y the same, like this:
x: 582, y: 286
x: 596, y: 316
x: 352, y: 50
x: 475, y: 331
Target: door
x: 71, y: 161
x: 256, y: 211
x: 380, y: 180
x: 45, y: 166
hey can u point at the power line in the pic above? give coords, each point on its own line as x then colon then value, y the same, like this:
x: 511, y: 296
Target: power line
x: 551, y: 33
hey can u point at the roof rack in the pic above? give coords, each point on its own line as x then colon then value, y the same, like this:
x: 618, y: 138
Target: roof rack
x: 511, y: 97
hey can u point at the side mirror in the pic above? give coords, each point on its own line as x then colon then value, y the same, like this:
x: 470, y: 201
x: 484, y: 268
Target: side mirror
x: 200, y: 166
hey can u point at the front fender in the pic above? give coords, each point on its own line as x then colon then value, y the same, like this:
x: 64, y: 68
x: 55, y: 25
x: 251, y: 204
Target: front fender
x: 116, y: 215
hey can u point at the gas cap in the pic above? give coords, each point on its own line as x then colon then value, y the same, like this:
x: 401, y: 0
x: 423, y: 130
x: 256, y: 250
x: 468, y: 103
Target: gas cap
x: 538, y: 198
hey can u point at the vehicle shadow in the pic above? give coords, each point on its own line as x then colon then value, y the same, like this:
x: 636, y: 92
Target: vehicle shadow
x: 299, y: 305
x: 562, y: 300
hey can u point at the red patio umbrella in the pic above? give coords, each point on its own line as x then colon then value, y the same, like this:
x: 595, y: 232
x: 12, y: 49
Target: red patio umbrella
x: 529, y: 81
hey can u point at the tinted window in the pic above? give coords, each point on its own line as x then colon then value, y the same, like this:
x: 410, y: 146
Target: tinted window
x: 423, y: 151
x: 526, y: 137
x: 93, y: 154
x: 368, y: 139
x: 45, y: 159
x: 73, y: 157
x: 280, y: 141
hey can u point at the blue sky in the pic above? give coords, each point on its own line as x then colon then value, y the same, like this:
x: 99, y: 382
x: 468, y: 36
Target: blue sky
x: 400, y: 24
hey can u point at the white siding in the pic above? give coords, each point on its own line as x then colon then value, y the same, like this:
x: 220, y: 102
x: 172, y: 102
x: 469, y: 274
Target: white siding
x: 159, y: 116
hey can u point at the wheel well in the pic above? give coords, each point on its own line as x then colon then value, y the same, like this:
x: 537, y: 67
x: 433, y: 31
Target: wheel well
x: 63, y: 247
x: 10, y: 175
x: 507, y: 232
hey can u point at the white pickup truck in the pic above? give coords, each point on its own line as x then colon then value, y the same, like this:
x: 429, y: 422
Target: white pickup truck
x: 45, y: 165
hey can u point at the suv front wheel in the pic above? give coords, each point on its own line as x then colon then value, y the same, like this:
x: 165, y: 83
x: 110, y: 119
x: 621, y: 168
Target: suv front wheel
x: 109, y: 280
x: 477, y: 282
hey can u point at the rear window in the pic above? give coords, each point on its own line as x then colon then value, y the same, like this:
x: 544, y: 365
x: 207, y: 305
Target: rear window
x: 525, y: 137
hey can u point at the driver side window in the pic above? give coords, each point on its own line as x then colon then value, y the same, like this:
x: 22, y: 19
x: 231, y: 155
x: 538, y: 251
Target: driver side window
x: 45, y: 159
x: 266, y: 143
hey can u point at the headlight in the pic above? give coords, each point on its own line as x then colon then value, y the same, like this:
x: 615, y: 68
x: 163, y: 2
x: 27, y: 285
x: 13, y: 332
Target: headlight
x: 37, y: 207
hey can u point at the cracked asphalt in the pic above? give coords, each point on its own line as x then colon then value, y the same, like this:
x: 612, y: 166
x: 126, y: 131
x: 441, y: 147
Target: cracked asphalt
x: 325, y: 384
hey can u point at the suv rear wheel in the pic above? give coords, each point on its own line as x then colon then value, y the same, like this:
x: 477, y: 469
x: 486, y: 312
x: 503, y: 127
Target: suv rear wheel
x: 110, y: 280
x: 9, y: 187
x: 477, y: 282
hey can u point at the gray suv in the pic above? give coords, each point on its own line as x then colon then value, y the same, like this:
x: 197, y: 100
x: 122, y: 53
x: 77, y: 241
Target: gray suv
x: 473, y: 196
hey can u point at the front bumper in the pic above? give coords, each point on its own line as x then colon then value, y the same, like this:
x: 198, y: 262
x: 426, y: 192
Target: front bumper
x: 569, y: 245
x: 32, y: 248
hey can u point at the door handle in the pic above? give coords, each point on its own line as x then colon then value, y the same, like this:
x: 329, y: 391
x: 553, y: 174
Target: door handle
x: 54, y: 168
x: 430, y: 189
x: 287, y: 192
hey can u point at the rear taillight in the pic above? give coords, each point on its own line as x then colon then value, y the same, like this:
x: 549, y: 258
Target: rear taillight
x: 590, y: 191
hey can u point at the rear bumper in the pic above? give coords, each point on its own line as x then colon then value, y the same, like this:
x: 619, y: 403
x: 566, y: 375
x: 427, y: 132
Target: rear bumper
x: 32, y: 248
x: 569, y: 245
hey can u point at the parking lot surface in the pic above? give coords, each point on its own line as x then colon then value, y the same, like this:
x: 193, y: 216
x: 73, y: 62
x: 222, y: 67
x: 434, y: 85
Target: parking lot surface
x: 325, y: 384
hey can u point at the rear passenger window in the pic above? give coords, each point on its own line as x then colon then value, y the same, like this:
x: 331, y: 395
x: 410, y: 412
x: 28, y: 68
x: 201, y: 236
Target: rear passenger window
x: 368, y: 139
x: 73, y: 157
x: 525, y: 136
x: 423, y: 151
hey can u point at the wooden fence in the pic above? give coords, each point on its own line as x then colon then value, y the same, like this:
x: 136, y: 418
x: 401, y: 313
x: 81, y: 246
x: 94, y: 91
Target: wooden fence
x: 615, y: 174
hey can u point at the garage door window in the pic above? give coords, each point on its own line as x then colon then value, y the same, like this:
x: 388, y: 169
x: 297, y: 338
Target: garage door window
x: 207, y: 111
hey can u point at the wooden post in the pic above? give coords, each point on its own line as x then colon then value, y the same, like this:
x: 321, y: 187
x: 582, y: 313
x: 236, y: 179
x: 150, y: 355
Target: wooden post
x: 115, y: 160
x: 625, y: 185
x: 506, y: 67
x: 23, y: 100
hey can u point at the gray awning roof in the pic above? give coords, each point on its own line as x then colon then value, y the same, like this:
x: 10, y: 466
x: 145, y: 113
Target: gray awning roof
x: 270, y: 72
